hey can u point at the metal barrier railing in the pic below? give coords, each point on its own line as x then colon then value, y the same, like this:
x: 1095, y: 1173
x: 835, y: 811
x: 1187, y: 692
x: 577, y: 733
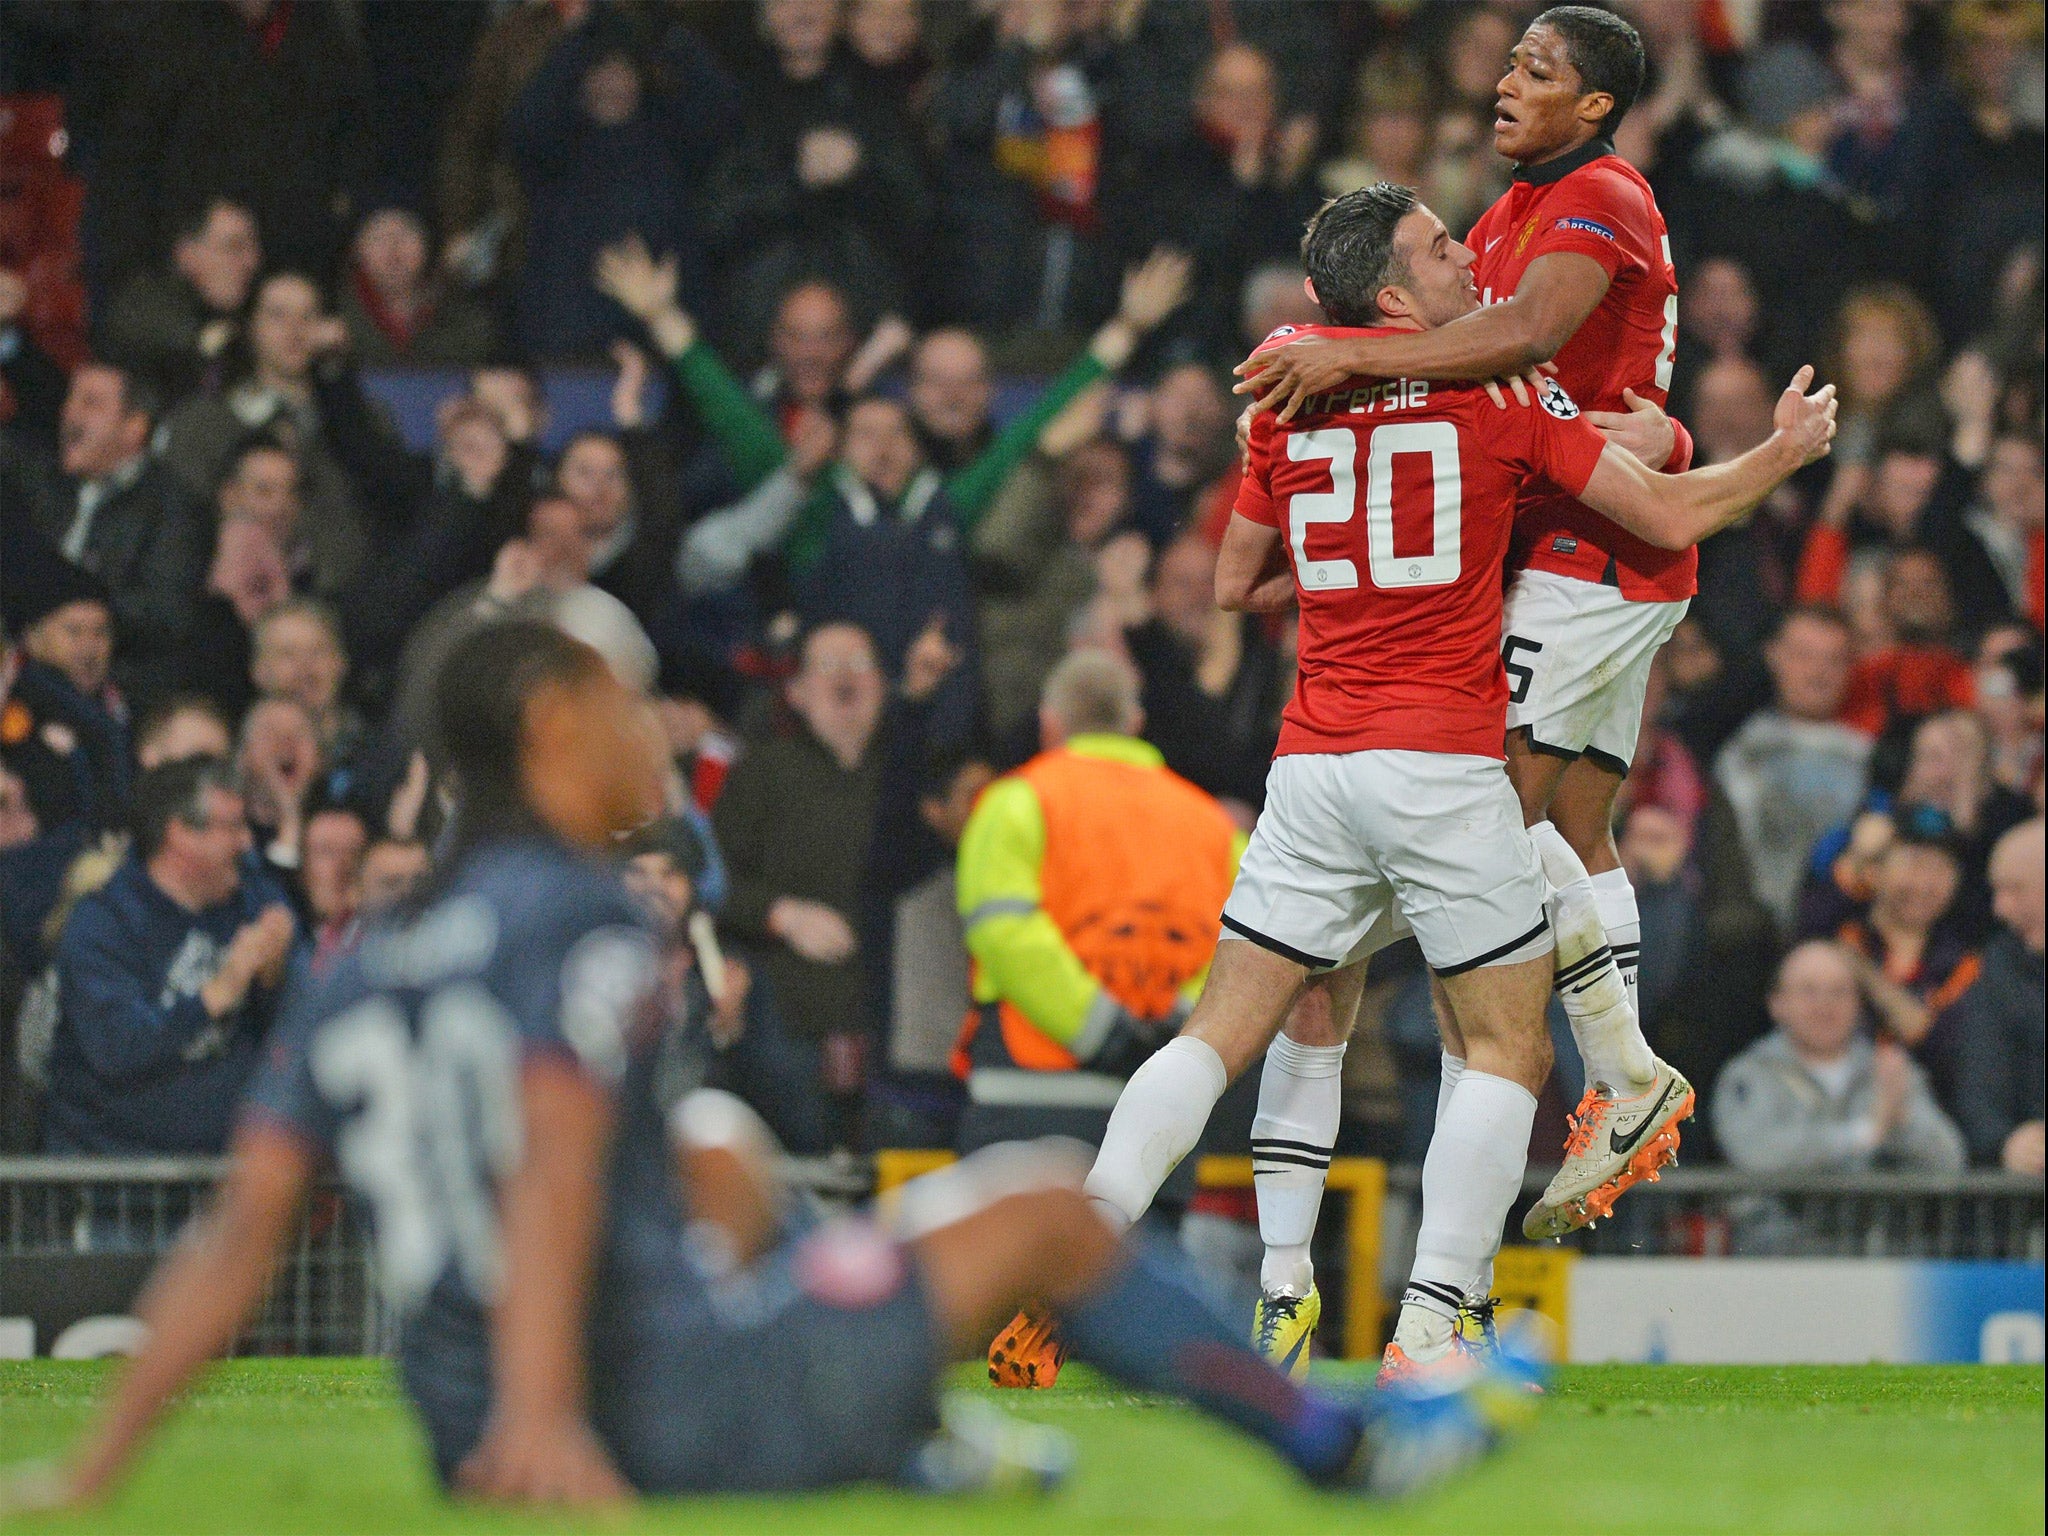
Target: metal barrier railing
x: 324, y: 1300
x: 1717, y: 1212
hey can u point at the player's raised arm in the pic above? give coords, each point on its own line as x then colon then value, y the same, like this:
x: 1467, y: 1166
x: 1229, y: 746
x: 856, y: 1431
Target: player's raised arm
x: 196, y: 1305
x: 1678, y: 511
x: 1504, y: 340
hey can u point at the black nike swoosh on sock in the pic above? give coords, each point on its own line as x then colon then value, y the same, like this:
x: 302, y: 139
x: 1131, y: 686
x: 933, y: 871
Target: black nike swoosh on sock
x: 1617, y: 1144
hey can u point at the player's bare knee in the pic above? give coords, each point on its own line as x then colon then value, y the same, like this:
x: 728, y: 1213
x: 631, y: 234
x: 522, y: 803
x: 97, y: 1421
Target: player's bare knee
x: 1053, y: 1167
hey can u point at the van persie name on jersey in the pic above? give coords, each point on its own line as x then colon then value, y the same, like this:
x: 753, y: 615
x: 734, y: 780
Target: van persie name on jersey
x: 1369, y: 399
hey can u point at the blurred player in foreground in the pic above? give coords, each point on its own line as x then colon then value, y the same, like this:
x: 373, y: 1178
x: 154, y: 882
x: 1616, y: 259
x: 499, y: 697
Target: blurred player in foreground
x: 1574, y: 264
x: 597, y: 1299
x: 1388, y: 810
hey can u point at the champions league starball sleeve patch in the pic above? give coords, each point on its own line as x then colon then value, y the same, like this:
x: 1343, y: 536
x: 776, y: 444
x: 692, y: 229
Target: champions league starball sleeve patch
x: 1556, y: 401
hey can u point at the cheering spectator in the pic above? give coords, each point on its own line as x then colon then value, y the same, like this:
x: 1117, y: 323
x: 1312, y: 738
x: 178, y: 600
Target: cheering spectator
x: 330, y: 884
x: 1920, y: 673
x: 1213, y: 686
x: 2010, y: 706
x: 1233, y: 195
x: 721, y: 1030
x: 1998, y: 1023
x: 297, y: 655
x: 1035, y: 557
x: 175, y: 323
x: 2006, y: 520
x: 622, y: 489
x: 62, y: 726
x: 280, y: 764
x: 888, y: 557
x: 111, y: 508
x: 610, y: 140
x: 794, y: 822
x: 1017, y: 114
x: 298, y: 391
x: 912, y: 945
x: 1910, y: 958
x: 823, y: 177
x: 398, y: 315
x: 1183, y: 444
x: 1793, y: 770
x: 167, y: 978
x: 752, y: 442
x: 1816, y: 1095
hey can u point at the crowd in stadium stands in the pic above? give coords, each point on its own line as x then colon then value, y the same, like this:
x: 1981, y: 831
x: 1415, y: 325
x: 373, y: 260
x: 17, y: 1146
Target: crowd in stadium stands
x: 917, y: 322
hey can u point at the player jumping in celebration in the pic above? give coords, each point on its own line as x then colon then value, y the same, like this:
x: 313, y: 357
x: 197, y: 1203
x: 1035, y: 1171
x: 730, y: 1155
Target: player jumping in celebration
x: 1574, y: 265
x: 596, y: 1298
x: 1388, y: 810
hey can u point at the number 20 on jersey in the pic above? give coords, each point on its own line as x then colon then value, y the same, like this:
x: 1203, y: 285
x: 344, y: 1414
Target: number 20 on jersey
x: 1437, y: 566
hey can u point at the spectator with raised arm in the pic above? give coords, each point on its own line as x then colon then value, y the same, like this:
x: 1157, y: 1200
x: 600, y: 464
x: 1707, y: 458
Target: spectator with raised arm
x: 167, y: 977
x: 398, y: 310
x: 754, y: 447
x: 355, y: 478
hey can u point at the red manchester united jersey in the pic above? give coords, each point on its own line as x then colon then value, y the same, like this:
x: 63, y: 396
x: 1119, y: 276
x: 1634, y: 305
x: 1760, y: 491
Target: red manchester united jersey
x: 1396, y: 498
x: 1595, y: 204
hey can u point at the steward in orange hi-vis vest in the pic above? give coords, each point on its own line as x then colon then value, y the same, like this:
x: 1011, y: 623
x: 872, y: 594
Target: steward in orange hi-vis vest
x: 1091, y: 882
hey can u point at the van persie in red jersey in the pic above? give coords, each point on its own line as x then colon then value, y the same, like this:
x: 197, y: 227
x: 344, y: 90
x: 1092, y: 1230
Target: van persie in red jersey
x: 1576, y: 266
x: 1384, y: 509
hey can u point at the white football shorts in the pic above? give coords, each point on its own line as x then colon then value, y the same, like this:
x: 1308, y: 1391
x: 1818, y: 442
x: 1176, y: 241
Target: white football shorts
x: 1357, y: 849
x: 1578, y: 658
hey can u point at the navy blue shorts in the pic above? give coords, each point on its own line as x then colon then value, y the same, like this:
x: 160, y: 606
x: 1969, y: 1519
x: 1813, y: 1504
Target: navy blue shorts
x: 818, y: 1366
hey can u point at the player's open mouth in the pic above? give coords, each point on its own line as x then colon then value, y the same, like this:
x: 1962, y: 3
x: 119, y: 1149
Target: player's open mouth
x: 1502, y: 117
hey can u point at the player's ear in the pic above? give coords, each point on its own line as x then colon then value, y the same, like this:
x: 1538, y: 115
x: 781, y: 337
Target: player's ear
x: 1392, y: 302
x: 1596, y: 107
x: 1308, y: 286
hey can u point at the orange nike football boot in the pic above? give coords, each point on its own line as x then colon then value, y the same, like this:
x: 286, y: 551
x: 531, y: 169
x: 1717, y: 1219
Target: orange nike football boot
x: 1027, y: 1353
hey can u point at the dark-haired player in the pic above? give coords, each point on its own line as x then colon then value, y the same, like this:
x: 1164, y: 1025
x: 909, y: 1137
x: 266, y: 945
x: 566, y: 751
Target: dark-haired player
x: 596, y: 1298
x: 1387, y: 810
x: 1574, y: 264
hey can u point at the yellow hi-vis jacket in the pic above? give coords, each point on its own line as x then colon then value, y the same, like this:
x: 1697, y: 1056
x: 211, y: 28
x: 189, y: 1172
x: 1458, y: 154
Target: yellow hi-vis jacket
x: 1091, y: 879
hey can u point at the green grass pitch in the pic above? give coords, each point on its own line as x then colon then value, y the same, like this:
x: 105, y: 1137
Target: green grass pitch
x: 325, y: 1446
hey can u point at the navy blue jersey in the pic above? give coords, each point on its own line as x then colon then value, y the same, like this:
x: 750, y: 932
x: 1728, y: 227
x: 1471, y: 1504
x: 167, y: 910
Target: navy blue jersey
x: 403, y: 1063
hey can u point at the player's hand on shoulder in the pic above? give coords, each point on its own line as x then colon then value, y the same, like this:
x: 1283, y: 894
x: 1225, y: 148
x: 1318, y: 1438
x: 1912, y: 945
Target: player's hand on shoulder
x: 1282, y: 379
x: 1807, y: 420
x: 1525, y: 387
x: 1643, y: 429
x: 541, y: 1461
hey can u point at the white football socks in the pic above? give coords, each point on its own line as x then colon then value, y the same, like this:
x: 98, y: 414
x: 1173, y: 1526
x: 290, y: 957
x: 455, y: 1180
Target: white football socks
x: 1616, y: 899
x: 1596, y: 998
x: 1156, y: 1122
x: 1301, y: 1099
x: 1452, y: 1069
x: 1470, y: 1181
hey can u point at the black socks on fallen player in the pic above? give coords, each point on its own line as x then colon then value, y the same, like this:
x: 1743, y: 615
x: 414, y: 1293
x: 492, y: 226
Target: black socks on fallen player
x: 1150, y: 1326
